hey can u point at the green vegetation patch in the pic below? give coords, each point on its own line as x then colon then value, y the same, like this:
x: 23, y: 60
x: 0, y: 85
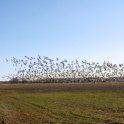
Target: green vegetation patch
x: 97, y: 107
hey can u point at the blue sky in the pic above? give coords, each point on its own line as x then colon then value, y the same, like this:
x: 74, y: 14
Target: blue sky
x: 90, y: 30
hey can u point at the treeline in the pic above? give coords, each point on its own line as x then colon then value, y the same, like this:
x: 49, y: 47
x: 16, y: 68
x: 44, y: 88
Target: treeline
x: 70, y: 80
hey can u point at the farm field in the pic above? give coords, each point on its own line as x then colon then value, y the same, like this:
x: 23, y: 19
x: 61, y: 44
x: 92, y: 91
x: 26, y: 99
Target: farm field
x: 62, y: 103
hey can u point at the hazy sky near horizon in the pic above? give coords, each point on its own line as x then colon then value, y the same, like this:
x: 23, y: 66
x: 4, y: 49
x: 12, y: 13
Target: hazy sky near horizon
x: 90, y: 30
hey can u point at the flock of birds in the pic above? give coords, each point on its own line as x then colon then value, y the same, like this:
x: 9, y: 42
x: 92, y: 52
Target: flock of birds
x: 40, y: 68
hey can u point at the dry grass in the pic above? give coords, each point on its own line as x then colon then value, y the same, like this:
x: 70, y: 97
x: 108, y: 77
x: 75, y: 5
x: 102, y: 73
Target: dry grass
x: 60, y: 87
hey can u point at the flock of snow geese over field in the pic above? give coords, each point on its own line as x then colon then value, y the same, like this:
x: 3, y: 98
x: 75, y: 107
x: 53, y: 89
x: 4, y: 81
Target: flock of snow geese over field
x: 39, y: 68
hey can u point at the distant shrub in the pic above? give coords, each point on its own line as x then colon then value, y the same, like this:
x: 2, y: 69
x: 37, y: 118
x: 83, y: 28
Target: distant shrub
x: 14, y: 80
